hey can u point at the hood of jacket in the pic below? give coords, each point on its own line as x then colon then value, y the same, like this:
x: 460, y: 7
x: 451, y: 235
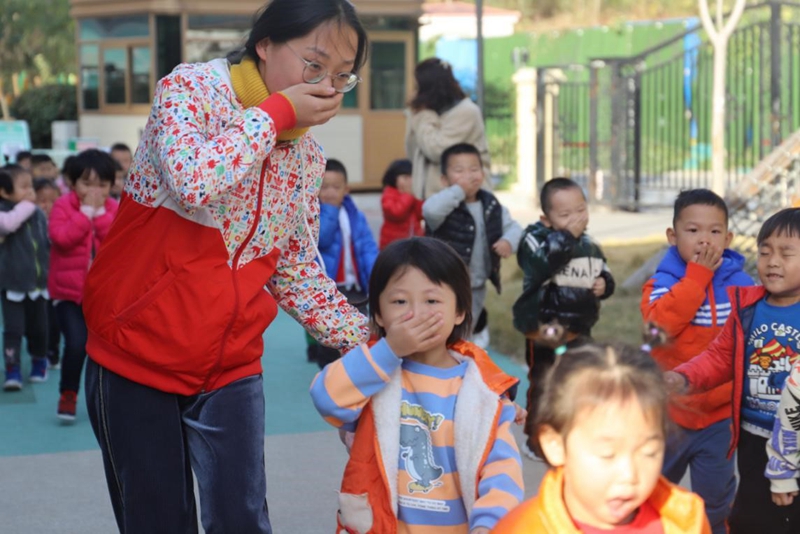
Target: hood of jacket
x: 681, y: 511
x: 732, y: 264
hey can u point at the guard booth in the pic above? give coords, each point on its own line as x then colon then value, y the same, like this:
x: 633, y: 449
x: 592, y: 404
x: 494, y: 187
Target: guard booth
x: 126, y: 46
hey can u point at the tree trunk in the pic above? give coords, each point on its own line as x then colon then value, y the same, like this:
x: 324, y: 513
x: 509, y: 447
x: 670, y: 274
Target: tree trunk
x: 719, y: 35
x: 3, y: 103
x: 718, y: 171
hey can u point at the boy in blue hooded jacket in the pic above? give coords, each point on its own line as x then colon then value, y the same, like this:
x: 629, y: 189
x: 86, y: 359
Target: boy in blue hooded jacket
x: 346, y: 245
x: 688, y: 298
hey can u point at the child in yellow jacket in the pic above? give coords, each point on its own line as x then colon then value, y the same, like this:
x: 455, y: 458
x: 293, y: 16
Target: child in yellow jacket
x: 601, y: 425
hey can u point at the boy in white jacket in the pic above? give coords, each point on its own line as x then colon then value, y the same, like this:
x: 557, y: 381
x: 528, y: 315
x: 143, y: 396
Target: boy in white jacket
x: 783, y: 467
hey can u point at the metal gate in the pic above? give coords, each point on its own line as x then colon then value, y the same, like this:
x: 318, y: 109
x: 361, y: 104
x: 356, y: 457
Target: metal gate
x: 636, y: 130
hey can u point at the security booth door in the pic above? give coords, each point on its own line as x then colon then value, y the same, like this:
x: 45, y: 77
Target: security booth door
x: 388, y: 82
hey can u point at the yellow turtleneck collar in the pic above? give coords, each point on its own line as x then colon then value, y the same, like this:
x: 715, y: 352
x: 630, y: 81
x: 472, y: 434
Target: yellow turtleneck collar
x: 251, y: 90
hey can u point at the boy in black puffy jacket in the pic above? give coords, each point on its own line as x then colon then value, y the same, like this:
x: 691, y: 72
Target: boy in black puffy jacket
x: 565, y: 278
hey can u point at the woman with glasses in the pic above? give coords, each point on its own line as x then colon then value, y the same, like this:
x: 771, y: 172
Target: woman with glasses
x: 217, y: 228
x: 441, y: 116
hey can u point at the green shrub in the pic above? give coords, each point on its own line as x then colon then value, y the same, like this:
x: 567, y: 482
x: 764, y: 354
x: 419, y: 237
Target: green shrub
x: 41, y: 106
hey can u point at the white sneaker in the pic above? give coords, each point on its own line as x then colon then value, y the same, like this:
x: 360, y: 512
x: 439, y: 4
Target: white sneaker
x: 12, y: 384
x: 481, y: 338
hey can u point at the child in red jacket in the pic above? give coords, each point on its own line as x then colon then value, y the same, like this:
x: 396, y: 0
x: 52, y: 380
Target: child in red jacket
x: 402, y: 211
x: 687, y: 297
x: 756, y: 350
x: 79, y: 222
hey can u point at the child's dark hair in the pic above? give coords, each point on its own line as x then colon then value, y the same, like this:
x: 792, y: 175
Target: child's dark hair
x: 455, y: 150
x: 284, y: 20
x: 23, y: 155
x: 69, y: 161
x: 9, y: 173
x: 786, y: 223
x: 438, y: 261
x: 397, y: 168
x: 120, y: 147
x: 91, y: 160
x: 553, y: 186
x: 6, y: 182
x: 594, y: 374
x: 334, y: 165
x: 44, y: 183
x: 38, y: 159
x: 697, y: 197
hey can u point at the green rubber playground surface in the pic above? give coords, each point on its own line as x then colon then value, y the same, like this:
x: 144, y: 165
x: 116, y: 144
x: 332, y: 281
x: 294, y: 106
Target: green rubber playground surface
x: 29, y: 417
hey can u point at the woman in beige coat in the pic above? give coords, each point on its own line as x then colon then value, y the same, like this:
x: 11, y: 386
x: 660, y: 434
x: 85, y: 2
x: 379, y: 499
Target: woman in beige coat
x: 441, y: 115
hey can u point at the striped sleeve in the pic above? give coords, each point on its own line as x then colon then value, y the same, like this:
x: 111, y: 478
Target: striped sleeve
x: 672, y: 304
x: 343, y: 388
x: 500, y: 488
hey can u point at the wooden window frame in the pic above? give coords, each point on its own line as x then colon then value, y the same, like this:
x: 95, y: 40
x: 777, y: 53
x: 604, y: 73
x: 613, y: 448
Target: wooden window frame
x: 127, y: 43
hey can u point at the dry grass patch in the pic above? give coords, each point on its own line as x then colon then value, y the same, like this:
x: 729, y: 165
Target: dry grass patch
x: 620, y: 319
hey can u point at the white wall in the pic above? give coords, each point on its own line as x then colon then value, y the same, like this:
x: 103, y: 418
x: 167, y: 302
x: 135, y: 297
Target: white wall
x: 342, y: 138
x: 110, y: 129
x: 466, y: 27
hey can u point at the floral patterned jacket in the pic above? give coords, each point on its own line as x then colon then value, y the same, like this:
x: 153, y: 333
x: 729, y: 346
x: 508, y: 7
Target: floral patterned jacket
x: 218, y: 225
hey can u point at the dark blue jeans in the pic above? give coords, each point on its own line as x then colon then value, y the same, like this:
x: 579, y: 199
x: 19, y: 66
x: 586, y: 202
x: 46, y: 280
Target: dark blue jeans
x: 753, y: 510
x: 73, y: 325
x: 53, y: 334
x: 23, y: 319
x: 151, y: 441
x: 712, y: 474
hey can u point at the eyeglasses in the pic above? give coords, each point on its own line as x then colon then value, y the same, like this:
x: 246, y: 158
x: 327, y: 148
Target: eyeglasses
x: 313, y: 72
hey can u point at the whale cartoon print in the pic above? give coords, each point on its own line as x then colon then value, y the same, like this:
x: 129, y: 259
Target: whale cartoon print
x: 417, y: 452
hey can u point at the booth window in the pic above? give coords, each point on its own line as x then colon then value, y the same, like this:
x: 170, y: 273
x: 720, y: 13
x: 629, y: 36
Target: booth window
x: 387, y: 75
x: 115, y: 62
x: 90, y: 83
x: 213, y: 36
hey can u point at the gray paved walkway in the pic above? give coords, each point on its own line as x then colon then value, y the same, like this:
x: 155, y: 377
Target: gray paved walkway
x: 51, y: 477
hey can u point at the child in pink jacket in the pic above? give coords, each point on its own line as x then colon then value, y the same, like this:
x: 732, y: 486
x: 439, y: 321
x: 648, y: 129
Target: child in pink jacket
x: 79, y: 222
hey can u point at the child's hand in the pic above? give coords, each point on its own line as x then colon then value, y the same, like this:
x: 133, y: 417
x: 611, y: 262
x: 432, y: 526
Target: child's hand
x: 347, y: 438
x: 599, y: 286
x: 30, y: 196
x: 676, y: 382
x: 469, y: 183
x: 413, y: 334
x: 479, y: 530
x: 404, y: 186
x: 94, y: 197
x: 520, y: 414
x: 503, y: 248
x: 577, y: 224
x: 783, y: 499
x: 709, y: 257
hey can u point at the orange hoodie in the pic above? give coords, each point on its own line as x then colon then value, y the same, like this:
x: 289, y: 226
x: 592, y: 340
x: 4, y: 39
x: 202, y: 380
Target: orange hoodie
x: 369, y: 497
x: 681, y: 511
x: 691, y: 304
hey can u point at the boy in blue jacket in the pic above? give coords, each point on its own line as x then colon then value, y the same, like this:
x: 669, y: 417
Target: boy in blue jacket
x: 346, y: 245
